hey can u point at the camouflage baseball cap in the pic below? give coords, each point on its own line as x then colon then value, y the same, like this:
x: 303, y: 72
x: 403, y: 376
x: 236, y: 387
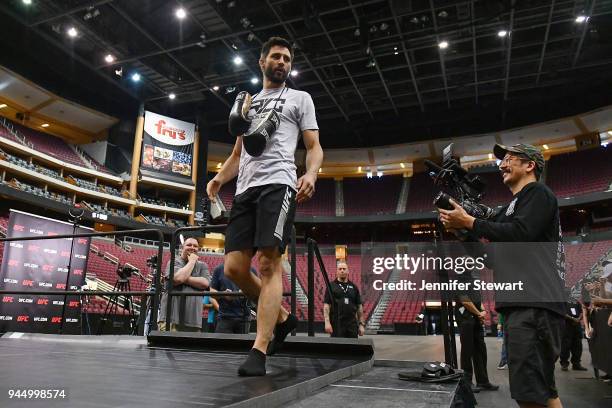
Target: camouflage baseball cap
x: 529, y: 151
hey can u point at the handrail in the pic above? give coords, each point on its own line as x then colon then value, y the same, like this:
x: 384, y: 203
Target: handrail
x: 313, y: 250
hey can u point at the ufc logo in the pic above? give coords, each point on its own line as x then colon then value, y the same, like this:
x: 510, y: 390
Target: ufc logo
x: 73, y: 303
x: 23, y: 318
x: 12, y: 262
x: 18, y: 227
x: 65, y: 253
x: 82, y: 241
x: 77, y: 272
x: 56, y: 319
x: 27, y: 283
x: 262, y: 106
x: 60, y: 286
x: 8, y: 299
x: 43, y: 302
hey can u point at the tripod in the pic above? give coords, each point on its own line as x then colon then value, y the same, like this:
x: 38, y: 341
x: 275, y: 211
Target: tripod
x: 112, y: 307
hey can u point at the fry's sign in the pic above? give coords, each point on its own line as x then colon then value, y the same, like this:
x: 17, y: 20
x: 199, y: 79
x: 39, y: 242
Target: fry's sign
x: 168, y: 130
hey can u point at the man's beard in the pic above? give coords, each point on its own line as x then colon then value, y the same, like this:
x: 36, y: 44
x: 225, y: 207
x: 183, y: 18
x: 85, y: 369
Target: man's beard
x: 269, y: 72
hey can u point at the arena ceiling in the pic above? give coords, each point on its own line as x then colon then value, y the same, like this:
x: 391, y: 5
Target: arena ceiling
x: 375, y: 68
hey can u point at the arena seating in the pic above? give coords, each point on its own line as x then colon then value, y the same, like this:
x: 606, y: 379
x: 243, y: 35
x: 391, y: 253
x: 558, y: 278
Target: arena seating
x: 377, y: 195
x: 50, y: 145
x: 581, y: 257
x: 580, y: 172
x: 323, y: 202
x: 496, y: 192
x: 421, y: 194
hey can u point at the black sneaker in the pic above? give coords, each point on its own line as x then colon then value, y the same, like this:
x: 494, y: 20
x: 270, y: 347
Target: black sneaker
x: 280, y: 334
x: 488, y: 387
x: 579, y: 367
x: 254, y: 365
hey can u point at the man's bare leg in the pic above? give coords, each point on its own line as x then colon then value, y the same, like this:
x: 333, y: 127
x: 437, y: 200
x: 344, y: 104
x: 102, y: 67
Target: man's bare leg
x: 237, y: 268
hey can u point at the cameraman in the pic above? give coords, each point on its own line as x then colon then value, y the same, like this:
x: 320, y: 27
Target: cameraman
x: 190, y: 275
x: 533, y: 328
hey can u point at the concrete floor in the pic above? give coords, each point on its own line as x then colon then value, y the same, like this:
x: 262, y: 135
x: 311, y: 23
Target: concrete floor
x: 577, y: 389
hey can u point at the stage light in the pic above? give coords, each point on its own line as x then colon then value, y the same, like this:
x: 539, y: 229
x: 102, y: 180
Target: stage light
x: 135, y: 77
x: 490, y: 156
x: 581, y: 19
x: 443, y: 45
x: 180, y: 13
x: 545, y: 147
x: 237, y: 60
x: 369, y: 174
x: 320, y: 170
x: 502, y: 33
x: 254, y: 80
x: 379, y: 173
x: 215, y: 88
x: 294, y: 73
x: 359, y: 169
x: 26, y: 2
x: 72, y: 32
x: 2, y: 105
x: 44, y: 125
x: 109, y: 58
x: 219, y: 165
x: 172, y: 96
x: 402, y: 165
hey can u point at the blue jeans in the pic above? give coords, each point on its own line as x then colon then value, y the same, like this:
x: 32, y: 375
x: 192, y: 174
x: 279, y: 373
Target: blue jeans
x: 504, y: 351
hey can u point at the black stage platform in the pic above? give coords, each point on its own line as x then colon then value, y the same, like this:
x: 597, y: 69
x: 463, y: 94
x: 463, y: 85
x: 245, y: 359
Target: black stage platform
x: 199, y: 370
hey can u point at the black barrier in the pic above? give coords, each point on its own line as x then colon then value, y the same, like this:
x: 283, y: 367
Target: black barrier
x: 171, y: 293
x: 313, y: 251
x: 600, y: 345
x: 159, y: 234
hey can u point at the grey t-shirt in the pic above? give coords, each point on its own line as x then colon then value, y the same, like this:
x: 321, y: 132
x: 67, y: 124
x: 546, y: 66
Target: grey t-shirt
x: 193, y: 304
x: 276, y: 165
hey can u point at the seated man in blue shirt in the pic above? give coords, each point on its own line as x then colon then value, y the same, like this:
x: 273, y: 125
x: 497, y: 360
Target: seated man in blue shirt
x: 234, y: 312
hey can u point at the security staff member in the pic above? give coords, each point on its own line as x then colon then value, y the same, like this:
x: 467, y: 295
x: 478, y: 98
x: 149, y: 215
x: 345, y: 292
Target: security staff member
x: 346, y: 307
x: 572, y: 339
x: 470, y: 317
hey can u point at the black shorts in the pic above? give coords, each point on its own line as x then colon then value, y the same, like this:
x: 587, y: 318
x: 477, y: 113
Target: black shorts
x: 261, y: 217
x: 534, y: 345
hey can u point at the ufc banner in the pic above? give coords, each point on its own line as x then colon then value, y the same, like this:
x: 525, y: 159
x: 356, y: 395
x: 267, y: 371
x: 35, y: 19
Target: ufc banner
x: 167, y: 145
x: 42, y: 265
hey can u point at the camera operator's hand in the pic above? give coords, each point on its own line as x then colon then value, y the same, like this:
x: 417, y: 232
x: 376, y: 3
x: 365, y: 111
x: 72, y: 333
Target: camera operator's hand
x: 193, y: 257
x: 457, y: 218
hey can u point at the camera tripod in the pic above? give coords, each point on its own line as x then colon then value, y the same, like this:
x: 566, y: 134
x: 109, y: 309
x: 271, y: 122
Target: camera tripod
x: 112, y: 307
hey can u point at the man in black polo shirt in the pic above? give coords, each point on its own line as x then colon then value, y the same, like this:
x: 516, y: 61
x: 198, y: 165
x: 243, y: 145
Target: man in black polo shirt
x: 572, y: 338
x: 344, y: 305
x: 533, y: 327
x: 471, y: 317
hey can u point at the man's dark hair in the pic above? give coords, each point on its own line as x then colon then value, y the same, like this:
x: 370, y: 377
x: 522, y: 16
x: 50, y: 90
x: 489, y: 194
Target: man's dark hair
x: 275, y: 41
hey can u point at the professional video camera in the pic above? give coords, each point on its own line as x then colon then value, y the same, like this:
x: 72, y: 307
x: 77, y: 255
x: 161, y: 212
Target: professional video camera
x: 455, y: 182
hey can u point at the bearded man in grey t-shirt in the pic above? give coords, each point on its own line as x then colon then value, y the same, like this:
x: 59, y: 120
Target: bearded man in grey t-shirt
x: 190, y: 275
x: 267, y: 191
